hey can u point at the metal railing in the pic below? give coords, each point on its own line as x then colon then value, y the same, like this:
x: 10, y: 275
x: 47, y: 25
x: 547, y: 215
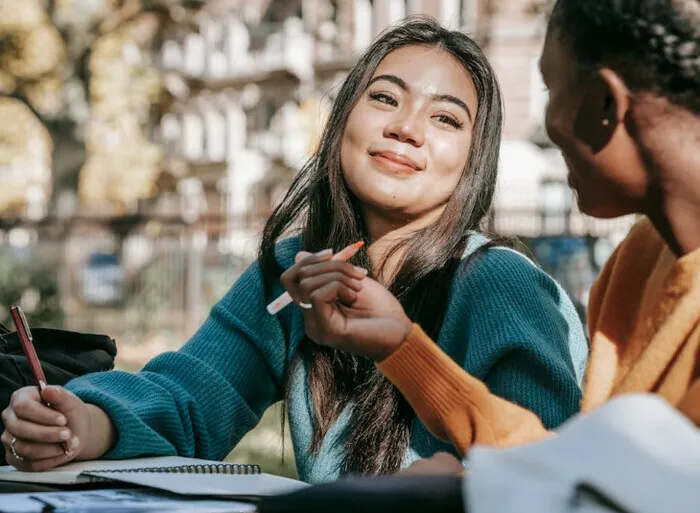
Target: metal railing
x: 149, y: 281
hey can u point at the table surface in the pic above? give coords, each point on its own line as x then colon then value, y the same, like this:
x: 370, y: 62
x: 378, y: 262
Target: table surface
x: 387, y: 494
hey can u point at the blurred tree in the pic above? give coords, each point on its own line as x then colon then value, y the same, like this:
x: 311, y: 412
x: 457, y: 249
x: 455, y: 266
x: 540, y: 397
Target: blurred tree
x: 86, y: 69
x: 31, y: 282
x: 25, y: 159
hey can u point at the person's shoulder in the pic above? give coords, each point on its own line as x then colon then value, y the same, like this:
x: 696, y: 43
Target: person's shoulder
x: 286, y: 249
x: 642, y: 243
x: 637, y: 255
x: 497, y: 274
x: 487, y: 262
x: 643, y: 228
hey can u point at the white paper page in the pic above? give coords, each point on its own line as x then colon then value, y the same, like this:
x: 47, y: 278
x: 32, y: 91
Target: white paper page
x: 69, y: 474
x: 215, y: 485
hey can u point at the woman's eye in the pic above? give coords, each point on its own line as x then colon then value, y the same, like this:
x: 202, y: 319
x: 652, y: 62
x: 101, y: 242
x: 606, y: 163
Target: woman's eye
x: 443, y: 118
x: 383, y: 98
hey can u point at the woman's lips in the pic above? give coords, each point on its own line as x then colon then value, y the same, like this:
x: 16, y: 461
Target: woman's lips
x: 395, y: 162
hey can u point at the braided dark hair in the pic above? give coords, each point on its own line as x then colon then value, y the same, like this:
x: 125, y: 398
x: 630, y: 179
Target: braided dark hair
x: 654, y: 45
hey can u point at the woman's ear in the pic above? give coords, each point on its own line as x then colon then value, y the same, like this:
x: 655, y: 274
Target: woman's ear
x: 604, y: 107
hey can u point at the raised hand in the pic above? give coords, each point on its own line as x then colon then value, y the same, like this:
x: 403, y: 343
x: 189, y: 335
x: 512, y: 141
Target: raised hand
x: 348, y: 310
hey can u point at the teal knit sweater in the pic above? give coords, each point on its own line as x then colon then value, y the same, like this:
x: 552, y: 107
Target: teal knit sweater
x: 507, y: 323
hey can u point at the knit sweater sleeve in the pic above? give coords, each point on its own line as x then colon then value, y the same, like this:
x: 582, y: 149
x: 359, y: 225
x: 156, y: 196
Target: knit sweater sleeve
x: 202, y: 399
x: 521, y: 370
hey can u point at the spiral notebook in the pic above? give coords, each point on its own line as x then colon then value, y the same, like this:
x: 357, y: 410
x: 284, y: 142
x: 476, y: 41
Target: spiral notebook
x: 183, y: 476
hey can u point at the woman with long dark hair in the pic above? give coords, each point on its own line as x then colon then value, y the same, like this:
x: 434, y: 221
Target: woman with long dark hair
x: 407, y: 164
x: 624, y: 90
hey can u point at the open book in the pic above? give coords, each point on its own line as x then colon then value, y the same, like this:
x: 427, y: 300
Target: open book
x: 183, y: 476
x: 636, y: 453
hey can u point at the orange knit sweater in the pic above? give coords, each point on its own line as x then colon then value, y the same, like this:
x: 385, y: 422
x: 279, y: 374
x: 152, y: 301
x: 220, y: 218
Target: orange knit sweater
x: 644, y: 320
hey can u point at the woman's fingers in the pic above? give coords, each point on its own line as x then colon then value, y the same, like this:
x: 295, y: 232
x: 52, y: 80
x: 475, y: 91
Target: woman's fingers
x: 32, y: 431
x: 308, y: 286
x: 37, y: 465
x: 331, y: 266
x: 26, y: 404
x: 33, y: 450
x: 330, y: 321
x: 290, y: 278
x: 328, y: 294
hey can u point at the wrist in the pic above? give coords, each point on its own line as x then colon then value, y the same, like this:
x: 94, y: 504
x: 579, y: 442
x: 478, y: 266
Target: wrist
x: 101, y: 434
x: 395, y: 339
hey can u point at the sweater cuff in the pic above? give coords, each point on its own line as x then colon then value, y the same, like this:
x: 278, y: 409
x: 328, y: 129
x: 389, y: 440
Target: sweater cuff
x: 429, y: 379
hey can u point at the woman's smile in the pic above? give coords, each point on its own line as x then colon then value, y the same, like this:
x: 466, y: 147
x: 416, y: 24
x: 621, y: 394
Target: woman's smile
x: 395, y: 163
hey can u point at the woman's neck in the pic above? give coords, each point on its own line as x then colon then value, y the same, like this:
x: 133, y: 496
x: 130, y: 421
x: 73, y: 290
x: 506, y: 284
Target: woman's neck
x: 675, y: 212
x: 671, y: 135
x: 678, y: 222
x: 384, y: 234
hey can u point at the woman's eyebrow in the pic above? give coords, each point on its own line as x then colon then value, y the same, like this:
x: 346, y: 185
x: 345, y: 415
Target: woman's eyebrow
x: 435, y: 97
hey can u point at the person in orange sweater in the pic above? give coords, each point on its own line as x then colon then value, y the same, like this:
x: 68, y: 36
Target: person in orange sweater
x: 624, y: 107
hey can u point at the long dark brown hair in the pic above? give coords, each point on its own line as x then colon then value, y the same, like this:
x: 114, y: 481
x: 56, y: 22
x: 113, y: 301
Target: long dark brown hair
x: 319, y: 201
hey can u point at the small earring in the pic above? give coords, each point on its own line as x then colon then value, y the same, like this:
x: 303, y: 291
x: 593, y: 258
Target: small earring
x: 606, y: 122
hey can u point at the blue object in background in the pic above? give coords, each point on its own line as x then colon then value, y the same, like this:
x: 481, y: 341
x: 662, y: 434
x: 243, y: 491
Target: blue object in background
x: 103, y: 280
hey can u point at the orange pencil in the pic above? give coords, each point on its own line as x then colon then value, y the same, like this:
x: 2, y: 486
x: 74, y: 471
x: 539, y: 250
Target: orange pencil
x: 343, y: 255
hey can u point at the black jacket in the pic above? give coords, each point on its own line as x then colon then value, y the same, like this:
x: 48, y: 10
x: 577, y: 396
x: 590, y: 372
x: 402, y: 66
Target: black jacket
x: 64, y: 355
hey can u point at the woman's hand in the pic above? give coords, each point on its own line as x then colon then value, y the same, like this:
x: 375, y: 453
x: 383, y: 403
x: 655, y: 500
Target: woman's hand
x: 348, y: 310
x: 440, y: 463
x: 34, y: 433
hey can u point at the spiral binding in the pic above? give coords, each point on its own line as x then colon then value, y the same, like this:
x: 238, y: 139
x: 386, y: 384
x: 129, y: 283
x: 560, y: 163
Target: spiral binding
x: 219, y: 468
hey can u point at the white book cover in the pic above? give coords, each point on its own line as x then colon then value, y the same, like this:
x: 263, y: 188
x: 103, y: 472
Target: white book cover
x: 183, y: 476
x: 636, y: 452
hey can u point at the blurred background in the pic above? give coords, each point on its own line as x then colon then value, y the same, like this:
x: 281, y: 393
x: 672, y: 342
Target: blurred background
x: 143, y: 143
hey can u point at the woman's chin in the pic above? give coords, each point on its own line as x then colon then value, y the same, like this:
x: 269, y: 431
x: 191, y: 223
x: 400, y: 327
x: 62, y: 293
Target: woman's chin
x: 390, y: 208
x: 601, y: 210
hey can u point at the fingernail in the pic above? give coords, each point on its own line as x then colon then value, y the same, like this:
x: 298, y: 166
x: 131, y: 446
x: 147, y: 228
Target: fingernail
x: 64, y: 434
x: 362, y: 271
x: 61, y: 420
x: 325, y: 252
x: 74, y: 442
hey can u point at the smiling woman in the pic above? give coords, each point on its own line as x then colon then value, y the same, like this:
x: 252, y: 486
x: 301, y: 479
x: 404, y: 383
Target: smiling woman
x: 407, y: 164
x: 409, y: 136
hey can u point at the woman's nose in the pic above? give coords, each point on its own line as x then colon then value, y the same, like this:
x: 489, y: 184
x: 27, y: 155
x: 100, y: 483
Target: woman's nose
x: 407, y: 129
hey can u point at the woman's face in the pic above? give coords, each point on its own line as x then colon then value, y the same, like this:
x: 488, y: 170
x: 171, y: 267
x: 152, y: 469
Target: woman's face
x: 407, y: 140
x: 605, y: 168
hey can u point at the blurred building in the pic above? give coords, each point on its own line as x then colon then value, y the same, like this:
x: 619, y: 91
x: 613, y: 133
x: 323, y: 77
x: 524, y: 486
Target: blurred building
x: 211, y: 113
x: 254, y: 81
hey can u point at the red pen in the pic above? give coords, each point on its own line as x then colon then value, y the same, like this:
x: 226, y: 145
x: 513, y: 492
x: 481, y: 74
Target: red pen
x: 25, y: 338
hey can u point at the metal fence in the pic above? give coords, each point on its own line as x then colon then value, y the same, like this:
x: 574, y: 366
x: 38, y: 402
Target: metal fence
x: 150, y: 282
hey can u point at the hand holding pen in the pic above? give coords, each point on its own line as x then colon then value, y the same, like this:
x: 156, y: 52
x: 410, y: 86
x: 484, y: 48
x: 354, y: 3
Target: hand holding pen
x: 291, y: 277
x: 46, y: 425
x: 345, y: 309
x: 27, y: 341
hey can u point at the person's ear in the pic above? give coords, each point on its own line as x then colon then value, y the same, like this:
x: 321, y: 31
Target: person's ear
x: 603, y: 109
